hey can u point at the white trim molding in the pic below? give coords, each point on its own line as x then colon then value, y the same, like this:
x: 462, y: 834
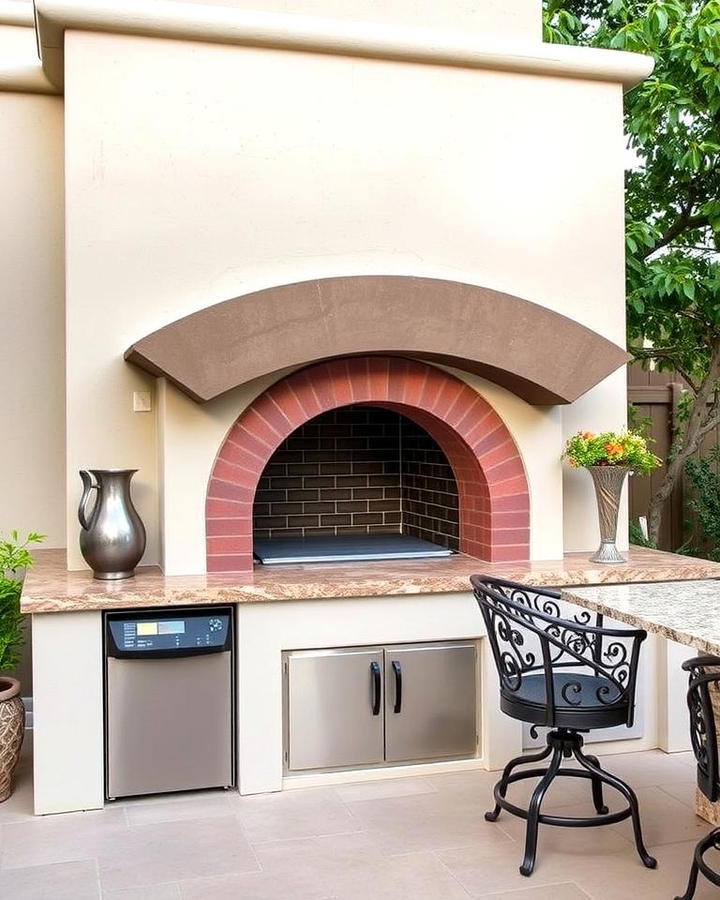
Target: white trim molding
x: 26, y: 79
x: 251, y: 28
x: 16, y: 12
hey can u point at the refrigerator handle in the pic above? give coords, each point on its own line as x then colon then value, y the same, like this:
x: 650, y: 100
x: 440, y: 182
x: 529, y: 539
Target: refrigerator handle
x: 397, y: 669
x: 375, y: 672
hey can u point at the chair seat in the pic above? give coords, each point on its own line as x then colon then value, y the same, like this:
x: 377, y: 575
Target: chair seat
x: 577, y: 703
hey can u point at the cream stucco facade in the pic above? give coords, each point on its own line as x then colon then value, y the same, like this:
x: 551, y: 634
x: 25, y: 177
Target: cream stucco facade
x: 209, y: 152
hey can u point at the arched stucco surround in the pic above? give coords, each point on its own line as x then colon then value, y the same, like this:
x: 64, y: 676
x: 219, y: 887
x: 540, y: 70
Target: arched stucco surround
x: 493, y: 488
x: 543, y: 357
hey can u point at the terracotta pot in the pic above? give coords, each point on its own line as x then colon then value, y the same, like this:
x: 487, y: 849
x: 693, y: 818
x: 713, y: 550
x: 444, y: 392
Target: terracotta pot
x: 12, y: 731
x: 608, y: 481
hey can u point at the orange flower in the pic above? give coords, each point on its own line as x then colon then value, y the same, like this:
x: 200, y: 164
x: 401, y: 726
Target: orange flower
x: 588, y: 435
x: 614, y: 449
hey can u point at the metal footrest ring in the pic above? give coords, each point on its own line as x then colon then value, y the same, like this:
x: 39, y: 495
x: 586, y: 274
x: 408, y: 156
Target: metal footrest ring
x: 600, y: 818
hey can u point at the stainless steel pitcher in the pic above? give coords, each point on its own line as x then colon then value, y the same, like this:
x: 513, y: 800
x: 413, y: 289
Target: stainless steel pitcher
x: 112, y: 539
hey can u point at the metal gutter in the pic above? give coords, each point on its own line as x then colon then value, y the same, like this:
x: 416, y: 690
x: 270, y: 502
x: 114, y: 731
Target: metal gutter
x: 251, y: 28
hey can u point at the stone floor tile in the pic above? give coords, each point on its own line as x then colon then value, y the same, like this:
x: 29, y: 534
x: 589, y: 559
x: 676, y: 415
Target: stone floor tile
x: 419, y: 838
x: 174, y: 851
x: 173, y: 808
x: 425, y: 822
x: 60, y: 838
x: 565, y: 891
x: 413, y: 876
x: 646, y: 769
x: 476, y: 785
x: 58, y: 881
x: 684, y: 791
x: 293, y: 814
x: 148, y: 892
x: 665, y: 820
x: 484, y: 869
x: 19, y: 806
x: 253, y: 886
x: 624, y: 876
x: 379, y: 790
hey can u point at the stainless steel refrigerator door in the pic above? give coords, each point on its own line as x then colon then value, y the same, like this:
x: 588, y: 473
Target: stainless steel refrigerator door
x: 430, y: 701
x: 335, y: 712
x: 169, y: 724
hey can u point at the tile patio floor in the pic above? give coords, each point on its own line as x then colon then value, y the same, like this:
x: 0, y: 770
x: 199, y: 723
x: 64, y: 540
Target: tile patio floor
x: 420, y: 838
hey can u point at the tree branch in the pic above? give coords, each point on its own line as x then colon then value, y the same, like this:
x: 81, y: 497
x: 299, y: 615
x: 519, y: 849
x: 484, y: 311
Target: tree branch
x: 712, y: 423
x: 668, y: 353
x: 683, y: 222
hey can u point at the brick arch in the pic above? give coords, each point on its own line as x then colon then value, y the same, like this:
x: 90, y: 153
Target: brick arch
x: 493, y: 489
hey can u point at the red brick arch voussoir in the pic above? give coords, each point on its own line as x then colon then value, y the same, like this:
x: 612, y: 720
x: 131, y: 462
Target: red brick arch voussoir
x: 492, y: 485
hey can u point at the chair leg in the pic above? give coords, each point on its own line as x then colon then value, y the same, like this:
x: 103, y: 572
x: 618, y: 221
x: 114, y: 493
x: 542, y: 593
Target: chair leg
x: 597, y: 791
x: 507, y: 771
x: 533, y: 815
x: 692, y: 883
x: 649, y: 861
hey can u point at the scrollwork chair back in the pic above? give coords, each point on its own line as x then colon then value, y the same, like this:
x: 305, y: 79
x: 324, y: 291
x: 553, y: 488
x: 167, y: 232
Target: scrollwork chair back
x: 529, y: 638
x: 704, y: 672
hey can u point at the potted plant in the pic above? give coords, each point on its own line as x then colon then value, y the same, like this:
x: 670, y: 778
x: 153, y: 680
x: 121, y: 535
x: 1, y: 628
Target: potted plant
x: 609, y: 457
x: 15, y: 559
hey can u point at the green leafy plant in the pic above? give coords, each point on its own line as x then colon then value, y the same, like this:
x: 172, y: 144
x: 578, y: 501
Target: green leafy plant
x: 15, y: 558
x: 672, y: 198
x: 706, y: 502
x: 610, y: 448
x: 637, y: 536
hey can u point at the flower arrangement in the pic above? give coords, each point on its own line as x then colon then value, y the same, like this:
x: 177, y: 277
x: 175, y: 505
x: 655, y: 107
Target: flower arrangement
x: 610, y: 448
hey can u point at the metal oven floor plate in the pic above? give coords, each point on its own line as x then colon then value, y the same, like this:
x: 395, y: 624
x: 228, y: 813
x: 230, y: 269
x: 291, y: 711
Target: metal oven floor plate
x: 345, y: 548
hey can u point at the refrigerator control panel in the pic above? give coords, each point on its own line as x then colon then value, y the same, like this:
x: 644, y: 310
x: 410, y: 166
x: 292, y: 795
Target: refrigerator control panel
x: 167, y: 633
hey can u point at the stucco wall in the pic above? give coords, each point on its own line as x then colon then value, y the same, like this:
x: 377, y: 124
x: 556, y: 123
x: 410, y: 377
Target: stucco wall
x: 32, y: 361
x: 197, y: 173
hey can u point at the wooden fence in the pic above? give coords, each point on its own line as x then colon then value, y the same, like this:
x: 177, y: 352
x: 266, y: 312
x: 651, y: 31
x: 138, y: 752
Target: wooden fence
x: 653, y: 397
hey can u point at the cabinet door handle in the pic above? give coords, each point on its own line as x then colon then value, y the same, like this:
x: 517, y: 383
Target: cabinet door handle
x: 375, y: 672
x: 397, y: 669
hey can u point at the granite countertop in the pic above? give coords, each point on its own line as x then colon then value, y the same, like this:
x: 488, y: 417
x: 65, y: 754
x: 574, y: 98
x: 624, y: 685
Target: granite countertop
x: 49, y: 587
x: 686, y: 612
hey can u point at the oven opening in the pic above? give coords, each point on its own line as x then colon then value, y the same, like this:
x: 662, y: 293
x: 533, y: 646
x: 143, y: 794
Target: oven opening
x: 356, y: 483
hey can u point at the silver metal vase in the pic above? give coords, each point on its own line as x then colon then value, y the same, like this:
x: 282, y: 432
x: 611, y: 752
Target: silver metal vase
x: 608, y: 482
x: 112, y: 539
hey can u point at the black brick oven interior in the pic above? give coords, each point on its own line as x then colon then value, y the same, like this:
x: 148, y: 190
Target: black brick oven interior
x: 358, y: 470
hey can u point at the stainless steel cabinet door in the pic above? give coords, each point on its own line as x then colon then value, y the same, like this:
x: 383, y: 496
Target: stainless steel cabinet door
x: 430, y: 701
x: 335, y: 711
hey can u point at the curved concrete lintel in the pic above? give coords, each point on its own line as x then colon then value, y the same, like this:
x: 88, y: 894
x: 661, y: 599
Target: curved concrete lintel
x: 324, y: 35
x: 540, y: 355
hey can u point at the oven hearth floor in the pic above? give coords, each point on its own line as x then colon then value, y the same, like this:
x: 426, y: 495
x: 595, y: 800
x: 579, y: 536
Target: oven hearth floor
x: 345, y: 548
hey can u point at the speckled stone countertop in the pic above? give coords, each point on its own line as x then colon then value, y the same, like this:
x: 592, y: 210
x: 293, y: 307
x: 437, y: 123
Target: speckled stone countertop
x: 687, y: 612
x: 50, y: 588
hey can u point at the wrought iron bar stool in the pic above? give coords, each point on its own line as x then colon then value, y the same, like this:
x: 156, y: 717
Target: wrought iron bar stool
x: 703, y: 733
x: 571, y: 676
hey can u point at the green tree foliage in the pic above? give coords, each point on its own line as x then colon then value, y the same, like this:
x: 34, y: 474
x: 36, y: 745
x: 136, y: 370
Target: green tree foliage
x: 672, y: 122
x: 706, y: 500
